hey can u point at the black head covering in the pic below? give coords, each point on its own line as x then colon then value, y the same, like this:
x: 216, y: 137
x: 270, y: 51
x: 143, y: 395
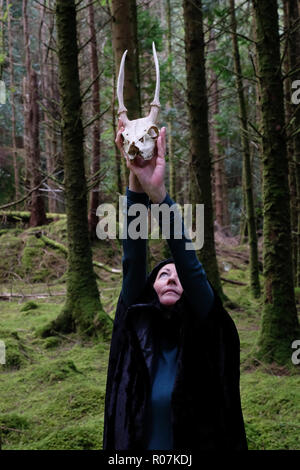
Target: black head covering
x: 167, y: 325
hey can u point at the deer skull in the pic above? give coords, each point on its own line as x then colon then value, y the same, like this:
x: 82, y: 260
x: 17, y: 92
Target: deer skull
x: 140, y: 135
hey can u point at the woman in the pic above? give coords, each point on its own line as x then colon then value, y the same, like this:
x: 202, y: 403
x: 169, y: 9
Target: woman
x: 173, y: 375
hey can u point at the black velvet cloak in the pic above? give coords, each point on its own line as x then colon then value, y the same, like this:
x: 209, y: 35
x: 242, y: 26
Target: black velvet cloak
x: 206, y: 408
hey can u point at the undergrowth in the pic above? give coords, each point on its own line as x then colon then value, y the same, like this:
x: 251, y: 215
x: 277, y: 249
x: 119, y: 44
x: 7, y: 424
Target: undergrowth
x: 52, y: 390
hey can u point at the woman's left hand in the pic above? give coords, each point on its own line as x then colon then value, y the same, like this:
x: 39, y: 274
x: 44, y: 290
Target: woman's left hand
x: 151, y: 173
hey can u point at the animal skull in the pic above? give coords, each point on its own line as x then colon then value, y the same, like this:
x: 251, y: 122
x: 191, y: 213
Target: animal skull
x: 139, y: 135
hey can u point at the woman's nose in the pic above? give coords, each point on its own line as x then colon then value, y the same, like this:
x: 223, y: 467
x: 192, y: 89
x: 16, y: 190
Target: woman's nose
x: 172, y: 278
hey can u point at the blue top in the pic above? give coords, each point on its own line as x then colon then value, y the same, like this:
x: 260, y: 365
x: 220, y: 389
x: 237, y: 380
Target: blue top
x: 160, y: 428
x: 194, y: 282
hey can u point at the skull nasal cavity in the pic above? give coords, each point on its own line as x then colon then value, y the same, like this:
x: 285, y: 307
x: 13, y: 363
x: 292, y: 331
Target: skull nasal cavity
x: 133, y: 150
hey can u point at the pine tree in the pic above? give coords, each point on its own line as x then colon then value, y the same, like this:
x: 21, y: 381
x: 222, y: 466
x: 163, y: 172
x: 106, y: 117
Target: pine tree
x: 83, y: 310
x: 279, y: 321
x: 199, y: 141
x: 247, y: 170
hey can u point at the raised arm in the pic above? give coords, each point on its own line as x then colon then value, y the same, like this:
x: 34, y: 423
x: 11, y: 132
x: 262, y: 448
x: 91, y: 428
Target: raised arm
x: 190, y: 271
x: 134, y: 260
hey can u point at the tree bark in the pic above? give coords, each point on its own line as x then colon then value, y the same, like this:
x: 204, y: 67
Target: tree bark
x: 292, y: 10
x: 279, y: 322
x: 38, y: 214
x: 124, y: 36
x: 13, y: 106
x: 219, y: 177
x: 170, y: 105
x: 50, y: 100
x: 2, y: 52
x: 37, y: 207
x: 95, y: 166
x: 247, y: 173
x: 83, y: 310
x: 288, y: 8
x: 198, y: 116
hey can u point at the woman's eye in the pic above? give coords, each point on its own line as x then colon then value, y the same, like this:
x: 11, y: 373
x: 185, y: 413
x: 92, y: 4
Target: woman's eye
x: 163, y: 274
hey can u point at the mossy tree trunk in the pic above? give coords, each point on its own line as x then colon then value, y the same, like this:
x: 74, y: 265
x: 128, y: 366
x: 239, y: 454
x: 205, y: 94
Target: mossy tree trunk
x: 292, y: 12
x: 288, y: 9
x: 279, y: 322
x: 198, y: 116
x: 82, y: 311
x: 247, y: 173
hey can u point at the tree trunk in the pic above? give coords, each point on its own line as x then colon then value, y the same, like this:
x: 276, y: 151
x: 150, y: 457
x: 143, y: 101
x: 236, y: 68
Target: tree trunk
x: 170, y: 105
x: 37, y: 207
x: 288, y: 8
x: 38, y: 214
x: 118, y: 157
x: 83, y: 310
x: 219, y: 177
x: 13, y: 107
x: 279, y: 322
x: 48, y: 85
x: 95, y: 166
x: 198, y: 114
x: 2, y: 52
x: 292, y: 9
x: 247, y: 173
x: 124, y: 36
x: 26, y: 137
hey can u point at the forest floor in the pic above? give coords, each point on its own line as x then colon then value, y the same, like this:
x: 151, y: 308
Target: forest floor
x: 52, y: 390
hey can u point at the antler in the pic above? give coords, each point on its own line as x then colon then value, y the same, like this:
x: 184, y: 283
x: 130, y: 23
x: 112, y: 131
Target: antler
x: 122, y: 111
x: 155, y: 105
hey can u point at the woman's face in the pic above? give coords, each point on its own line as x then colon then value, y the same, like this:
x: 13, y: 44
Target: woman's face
x: 167, y: 285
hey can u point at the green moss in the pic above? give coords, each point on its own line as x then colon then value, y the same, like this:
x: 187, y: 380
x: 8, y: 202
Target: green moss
x: 77, y: 437
x: 271, y: 410
x: 32, y: 251
x: 11, y: 246
x: 12, y: 422
x: 51, y: 342
x: 30, y: 305
x: 58, y: 230
x: 16, y: 354
x: 54, y: 371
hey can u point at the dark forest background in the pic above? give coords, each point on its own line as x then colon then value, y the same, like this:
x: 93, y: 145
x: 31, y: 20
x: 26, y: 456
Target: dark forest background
x: 230, y: 75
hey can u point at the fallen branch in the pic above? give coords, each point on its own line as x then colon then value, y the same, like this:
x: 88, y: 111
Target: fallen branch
x: 14, y: 203
x: 25, y: 215
x: 63, y: 249
x: 238, y: 283
x: 7, y: 296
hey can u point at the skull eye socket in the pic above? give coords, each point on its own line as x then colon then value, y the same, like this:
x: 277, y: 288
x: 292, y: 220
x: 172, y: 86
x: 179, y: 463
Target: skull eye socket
x: 141, y: 139
x: 153, y: 132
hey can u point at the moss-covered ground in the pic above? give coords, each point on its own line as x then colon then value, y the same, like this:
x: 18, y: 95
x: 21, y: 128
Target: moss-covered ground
x: 52, y: 390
